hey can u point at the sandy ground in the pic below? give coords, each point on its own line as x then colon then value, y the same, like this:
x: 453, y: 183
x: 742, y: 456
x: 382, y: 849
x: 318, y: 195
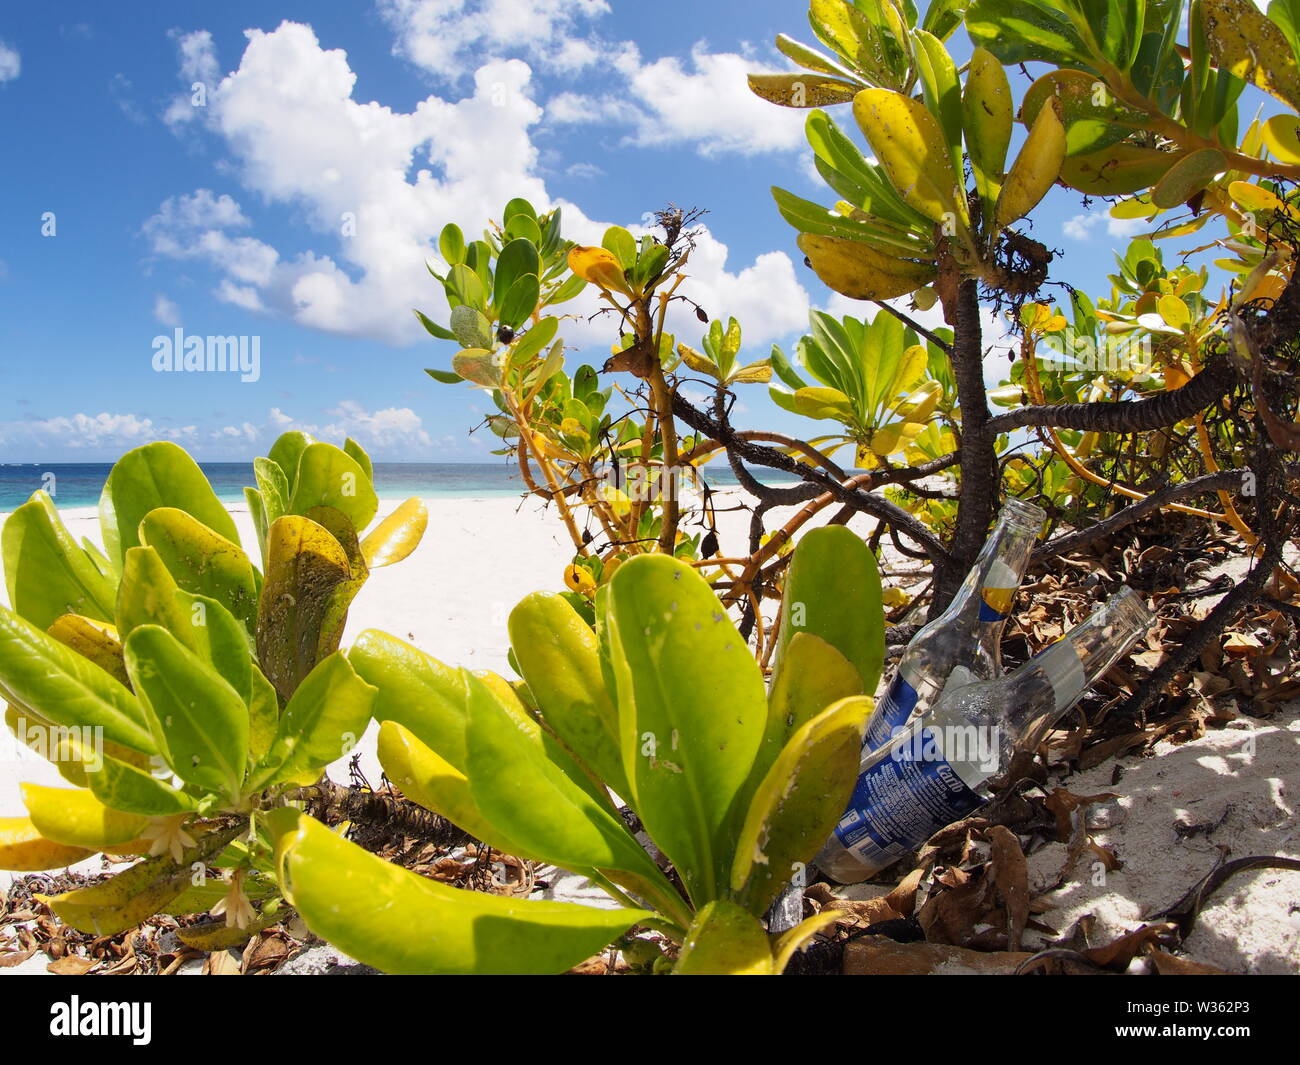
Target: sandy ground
x: 480, y: 556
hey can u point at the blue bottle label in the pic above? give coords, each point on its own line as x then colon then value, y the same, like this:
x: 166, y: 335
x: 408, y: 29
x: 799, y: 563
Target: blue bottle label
x: 902, y: 800
x: 893, y: 711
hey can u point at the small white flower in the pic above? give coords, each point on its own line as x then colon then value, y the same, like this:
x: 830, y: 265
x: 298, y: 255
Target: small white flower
x: 238, y: 910
x: 169, y: 836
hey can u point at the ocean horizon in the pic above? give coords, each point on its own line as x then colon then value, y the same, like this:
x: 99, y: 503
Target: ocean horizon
x: 74, y: 484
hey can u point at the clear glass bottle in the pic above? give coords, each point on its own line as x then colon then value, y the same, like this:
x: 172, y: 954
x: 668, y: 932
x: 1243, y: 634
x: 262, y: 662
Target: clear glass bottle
x: 941, y: 767
x: 962, y: 644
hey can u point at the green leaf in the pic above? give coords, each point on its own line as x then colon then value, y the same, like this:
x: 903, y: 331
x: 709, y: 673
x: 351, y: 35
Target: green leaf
x: 833, y: 591
x: 942, y: 91
x: 257, y: 513
x: 1017, y: 31
x: 202, y: 561
x: 1118, y: 170
x: 692, y: 710
x: 125, y: 787
x: 199, y: 720
x: 285, y: 453
x: 988, y: 114
x: 1188, y: 176
x: 273, y: 486
x: 557, y: 655
x: 517, y: 259
x: 321, y: 723
x: 39, y: 672
x: 622, y: 244
x: 404, y: 923
x: 46, y: 572
x: 149, y: 596
x: 328, y: 476
x: 305, y: 597
x: 425, y: 777
x: 362, y: 459
x: 799, y: 802
x: 451, y: 244
x: 725, y: 940
x: 520, y: 300
x: 1092, y: 116
x: 415, y: 690
x: 156, y: 475
x: 446, y: 377
x: 433, y: 328
x: 517, y: 786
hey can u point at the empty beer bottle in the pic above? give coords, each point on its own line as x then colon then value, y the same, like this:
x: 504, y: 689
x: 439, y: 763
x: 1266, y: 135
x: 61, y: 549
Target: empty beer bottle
x: 942, y: 766
x: 961, y: 644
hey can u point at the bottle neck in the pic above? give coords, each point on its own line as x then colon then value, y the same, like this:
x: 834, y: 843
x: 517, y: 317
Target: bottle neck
x: 1040, y: 692
x: 984, y: 600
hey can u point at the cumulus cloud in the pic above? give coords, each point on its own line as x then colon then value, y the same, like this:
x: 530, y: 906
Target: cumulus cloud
x: 393, y: 428
x: 198, y: 72
x: 11, y: 64
x: 79, y: 431
x: 448, y: 38
x: 397, y: 431
x: 1081, y: 226
x: 376, y: 186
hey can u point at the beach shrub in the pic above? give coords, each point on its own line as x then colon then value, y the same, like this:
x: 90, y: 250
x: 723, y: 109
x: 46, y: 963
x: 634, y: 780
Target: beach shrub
x: 1160, y: 397
x: 660, y: 707
x: 179, y: 688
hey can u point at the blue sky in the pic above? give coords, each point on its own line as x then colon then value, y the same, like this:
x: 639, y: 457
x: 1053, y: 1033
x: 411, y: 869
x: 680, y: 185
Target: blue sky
x: 226, y: 219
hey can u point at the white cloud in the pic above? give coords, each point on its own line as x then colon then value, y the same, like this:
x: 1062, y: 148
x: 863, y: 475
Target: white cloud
x: 708, y: 104
x: 79, y: 431
x: 165, y: 311
x: 198, y: 65
x: 1080, y: 226
x: 10, y: 63
x: 378, y: 185
x: 398, y: 428
x: 447, y: 38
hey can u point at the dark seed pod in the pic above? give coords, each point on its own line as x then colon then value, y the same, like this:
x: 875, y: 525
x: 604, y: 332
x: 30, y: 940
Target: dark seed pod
x: 505, y: 334
x: 709, y: 545
x: 701, y: 314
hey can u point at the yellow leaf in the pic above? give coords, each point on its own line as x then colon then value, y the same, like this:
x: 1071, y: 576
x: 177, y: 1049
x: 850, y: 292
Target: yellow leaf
x: 579, y: 579
x: 697, y: 361
x: 1250, y: 45
x: 25, y: 850
x: 860, y: 272
x: 1174, y: 311
x: 1282, y: 135
x: 1036, y: 167
x: 801, y: 89
x: 754, y: 374
x: 73, y: 816
x: 600, y: 267
x: 894, y: 597
x: 912, y: 149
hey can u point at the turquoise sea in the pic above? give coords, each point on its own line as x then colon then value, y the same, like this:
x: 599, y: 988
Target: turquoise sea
x: 79, y: 484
